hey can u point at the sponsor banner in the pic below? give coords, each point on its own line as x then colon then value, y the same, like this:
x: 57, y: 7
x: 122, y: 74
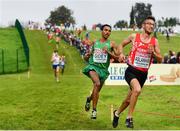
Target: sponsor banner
x: 158, y: 74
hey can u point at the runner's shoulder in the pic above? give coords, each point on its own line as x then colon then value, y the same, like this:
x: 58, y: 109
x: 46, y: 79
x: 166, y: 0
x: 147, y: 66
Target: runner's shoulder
x: 133, y: 35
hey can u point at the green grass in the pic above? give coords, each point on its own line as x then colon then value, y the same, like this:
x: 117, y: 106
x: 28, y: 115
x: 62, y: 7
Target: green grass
x: 41, y: 103
x: 10, y: 45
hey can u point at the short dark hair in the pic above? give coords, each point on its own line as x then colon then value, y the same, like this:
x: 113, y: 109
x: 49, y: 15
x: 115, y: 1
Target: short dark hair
x: 55, y: 51
x: 102, y: 27
x: 151, y: 18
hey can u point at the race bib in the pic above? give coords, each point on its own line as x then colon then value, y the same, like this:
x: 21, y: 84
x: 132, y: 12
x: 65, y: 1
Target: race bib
x: 99, y: 56
x: 141, y: 61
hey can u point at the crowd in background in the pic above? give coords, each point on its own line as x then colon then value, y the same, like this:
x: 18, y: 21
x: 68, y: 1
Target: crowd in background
x: 172, y: 58
x: 83, y: 44
x: 73, y: 38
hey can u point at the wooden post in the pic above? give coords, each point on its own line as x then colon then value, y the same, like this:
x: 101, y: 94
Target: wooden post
x: 111, y: 112
x: 28, y: 73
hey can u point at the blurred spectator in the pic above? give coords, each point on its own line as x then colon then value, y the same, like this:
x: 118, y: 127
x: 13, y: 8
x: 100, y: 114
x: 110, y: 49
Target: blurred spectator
x: 178, y: 58
x: 167, y: 35
x: 165, y: 59
x: 79, y: 32
x: 172, y: 57
x: 87, y: 35
x: 58, y: 39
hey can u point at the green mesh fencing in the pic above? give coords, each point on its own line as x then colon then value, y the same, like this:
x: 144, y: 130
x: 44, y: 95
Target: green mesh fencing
x: 12, y: 61
x: 23, y: 39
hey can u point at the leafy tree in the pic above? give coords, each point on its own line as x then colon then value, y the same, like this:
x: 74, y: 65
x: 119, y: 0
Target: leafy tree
x: 166, y: 22
x: 84, y: 27
x: 160, y: 23
x: 141, y: 11
x: 132, y: 22
x: 61, y: 15
x: 172, y: 21
x: 121, y: 24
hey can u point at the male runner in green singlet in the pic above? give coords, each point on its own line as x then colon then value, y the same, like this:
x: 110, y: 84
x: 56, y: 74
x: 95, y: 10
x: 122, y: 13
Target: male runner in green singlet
x: 97, y: 69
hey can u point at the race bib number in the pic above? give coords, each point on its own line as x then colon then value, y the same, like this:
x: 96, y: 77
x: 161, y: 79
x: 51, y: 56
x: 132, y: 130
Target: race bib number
x: 99, y: 56
x: 142, y: 62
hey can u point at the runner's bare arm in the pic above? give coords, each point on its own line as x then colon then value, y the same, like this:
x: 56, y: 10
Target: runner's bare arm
x: 156, y: 52
x: 122, y: 45
x: 88, y: 54
x: 52, y: 58
x: 92, y: 50
x: 114, y: 52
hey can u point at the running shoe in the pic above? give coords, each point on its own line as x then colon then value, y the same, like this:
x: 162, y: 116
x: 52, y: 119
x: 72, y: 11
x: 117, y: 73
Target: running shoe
x: 129, y: 123
x: 94, y: 114
x: 87, y: 105
x: 115, y: 120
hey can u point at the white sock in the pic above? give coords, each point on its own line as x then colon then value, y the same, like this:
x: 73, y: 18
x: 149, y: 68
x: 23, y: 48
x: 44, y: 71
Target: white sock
x: 129, y: 117
x: 116, y: 114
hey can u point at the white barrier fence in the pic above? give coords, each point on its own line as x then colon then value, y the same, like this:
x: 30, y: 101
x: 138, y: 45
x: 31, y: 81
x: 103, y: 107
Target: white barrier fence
x: 158, y: 74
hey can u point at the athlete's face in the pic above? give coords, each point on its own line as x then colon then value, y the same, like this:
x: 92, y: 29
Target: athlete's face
x: 149, y: 26
x: 106, y: 32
